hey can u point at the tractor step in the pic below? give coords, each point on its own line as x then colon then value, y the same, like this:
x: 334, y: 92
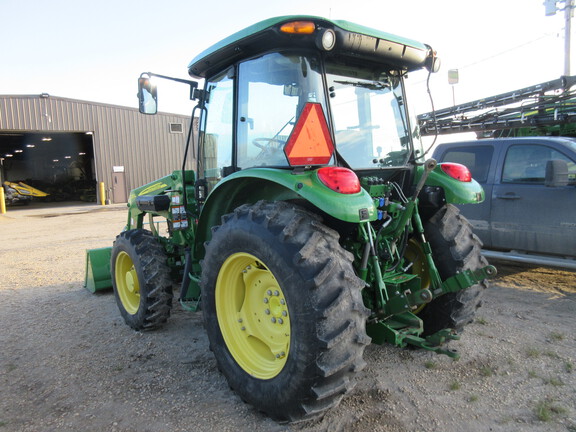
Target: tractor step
x: 191, y: 305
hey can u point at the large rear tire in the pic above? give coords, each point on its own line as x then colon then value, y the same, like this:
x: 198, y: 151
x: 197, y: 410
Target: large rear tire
x: 454, y: 248
x: 141, y: 279
x: 283, y: 310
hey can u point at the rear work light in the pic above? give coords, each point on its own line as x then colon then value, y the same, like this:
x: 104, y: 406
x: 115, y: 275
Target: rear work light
x: 298, y: 27
x: 457, y: 171
x: 339, y: 179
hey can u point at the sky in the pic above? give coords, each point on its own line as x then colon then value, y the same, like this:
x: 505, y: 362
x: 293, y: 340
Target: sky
x: 96, y: 50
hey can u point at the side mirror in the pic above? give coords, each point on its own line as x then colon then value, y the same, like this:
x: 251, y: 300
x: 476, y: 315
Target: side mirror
x: 556, y: 173
x: 435, y: 64
x: 147, y: 96
x: 432, y: 60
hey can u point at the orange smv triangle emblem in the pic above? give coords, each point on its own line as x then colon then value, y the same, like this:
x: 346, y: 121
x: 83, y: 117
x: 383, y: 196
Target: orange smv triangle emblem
x: 310, y: 142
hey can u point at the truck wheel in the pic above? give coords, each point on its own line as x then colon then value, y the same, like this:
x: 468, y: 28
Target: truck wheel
x: 283, y: 310
x: 454, y: 248
x: 141, y: 279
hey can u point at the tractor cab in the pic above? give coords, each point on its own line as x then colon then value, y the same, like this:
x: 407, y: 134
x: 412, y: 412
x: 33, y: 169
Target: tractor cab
x: 302, y: 92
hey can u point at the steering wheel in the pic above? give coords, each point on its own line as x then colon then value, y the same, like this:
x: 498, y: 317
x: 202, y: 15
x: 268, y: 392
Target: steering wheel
x: 267, y: 143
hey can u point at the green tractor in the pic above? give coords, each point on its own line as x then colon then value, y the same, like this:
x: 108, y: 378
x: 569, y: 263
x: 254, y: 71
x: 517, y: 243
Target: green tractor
x: 312, y: 225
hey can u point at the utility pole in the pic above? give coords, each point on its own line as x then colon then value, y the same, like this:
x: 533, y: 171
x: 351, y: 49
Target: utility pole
x: 568, y: 11
x: 551, y: 9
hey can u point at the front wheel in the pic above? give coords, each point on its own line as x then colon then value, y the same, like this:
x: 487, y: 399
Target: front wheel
x: 141, y: 279
x: 283, y: 310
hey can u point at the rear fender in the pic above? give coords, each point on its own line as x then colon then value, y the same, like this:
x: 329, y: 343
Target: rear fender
x: 455, y: 191
x: 250, y: 186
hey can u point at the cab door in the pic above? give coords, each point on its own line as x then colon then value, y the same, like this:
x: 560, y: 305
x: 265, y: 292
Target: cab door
x: 216, y: 138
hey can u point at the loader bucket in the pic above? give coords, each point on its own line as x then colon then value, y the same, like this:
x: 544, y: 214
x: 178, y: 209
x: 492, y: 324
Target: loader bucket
x: 98, y: 276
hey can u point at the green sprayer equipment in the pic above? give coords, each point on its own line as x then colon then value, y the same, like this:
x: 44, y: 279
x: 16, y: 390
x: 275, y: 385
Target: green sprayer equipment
x: 312, y: 224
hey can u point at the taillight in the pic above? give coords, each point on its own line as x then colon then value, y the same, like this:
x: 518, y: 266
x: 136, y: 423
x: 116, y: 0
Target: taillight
x: 457, y: 171
x: 341, y: 180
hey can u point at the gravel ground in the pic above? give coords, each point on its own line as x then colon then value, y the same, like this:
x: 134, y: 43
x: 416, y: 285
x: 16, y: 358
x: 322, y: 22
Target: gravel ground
x: 69, y: 363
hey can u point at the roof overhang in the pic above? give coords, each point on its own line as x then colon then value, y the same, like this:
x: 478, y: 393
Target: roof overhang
x: 352, y: 40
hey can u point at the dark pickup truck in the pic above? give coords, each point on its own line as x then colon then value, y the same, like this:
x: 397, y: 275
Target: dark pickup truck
x: 529, y: 213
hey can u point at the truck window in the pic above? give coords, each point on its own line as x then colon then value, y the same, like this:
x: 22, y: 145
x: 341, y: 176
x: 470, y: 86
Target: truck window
x: 477, y: 159
x: 527, y: 164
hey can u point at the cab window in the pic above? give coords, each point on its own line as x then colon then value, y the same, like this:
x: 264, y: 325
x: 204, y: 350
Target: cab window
x: 369, y: 114
x: 272, y: 91
x: 217, y: 136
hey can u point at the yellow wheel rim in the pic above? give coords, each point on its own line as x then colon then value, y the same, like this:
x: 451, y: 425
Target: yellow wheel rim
x: 415, y: 254
x: 253, y: 315
x: 127, y: 284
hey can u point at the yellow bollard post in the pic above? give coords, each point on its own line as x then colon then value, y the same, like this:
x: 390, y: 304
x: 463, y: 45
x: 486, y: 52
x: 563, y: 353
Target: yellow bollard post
x: 2, y: 201
x: 102, y: 194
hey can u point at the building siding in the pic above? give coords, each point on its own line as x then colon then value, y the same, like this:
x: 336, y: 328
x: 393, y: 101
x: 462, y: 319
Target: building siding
x: 122, y: 136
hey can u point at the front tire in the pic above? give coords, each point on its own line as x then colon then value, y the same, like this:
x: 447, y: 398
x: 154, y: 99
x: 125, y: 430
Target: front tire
x: 283, y: 310
x: 141, y: 279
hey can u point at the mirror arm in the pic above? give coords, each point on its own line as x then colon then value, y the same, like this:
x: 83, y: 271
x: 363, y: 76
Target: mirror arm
x: 194, y: 92
x: 152, y: 74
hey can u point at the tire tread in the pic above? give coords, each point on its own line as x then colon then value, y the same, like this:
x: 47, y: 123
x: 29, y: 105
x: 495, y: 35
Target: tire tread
x: 337, y: 311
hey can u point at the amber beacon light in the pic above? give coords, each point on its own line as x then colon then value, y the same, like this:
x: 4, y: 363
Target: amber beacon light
x: 298, y: 27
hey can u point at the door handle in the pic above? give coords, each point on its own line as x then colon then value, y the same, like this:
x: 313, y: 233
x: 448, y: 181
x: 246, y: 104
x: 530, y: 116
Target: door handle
x: 509, y: 196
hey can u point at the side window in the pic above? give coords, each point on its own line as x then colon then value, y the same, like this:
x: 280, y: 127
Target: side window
x: 527, y: 164
x: 217, y: 137
x: 477, y: 159
x: 571, y: 165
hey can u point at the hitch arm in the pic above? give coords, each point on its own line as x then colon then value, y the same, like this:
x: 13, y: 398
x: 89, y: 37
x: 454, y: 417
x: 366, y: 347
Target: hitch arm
x: 465, y: 279
x: 433, y: 342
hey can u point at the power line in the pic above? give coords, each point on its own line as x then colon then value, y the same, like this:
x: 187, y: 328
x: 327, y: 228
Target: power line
x: 545, y: 35
x: 514, y: 48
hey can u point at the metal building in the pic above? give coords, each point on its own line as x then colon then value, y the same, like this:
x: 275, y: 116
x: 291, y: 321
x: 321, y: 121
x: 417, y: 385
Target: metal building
x: 69, y: 146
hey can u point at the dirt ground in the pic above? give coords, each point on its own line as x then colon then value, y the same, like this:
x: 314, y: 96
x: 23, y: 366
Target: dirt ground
x: 69, y: 363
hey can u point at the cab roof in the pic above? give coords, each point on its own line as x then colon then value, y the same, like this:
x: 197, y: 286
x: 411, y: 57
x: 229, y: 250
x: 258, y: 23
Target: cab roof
x: 351, y: 40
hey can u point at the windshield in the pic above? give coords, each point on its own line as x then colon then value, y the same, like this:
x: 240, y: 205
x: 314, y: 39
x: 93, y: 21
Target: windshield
x: 369, y: 116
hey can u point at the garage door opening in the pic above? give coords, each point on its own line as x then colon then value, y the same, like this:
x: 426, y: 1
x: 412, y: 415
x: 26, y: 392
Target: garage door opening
x: 60, y: 164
